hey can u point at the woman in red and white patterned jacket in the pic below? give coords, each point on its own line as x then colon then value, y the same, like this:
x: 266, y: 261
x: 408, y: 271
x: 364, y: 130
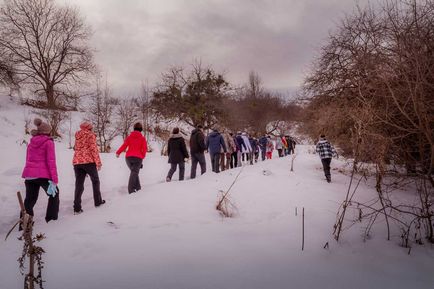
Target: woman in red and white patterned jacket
x: 86, y: 161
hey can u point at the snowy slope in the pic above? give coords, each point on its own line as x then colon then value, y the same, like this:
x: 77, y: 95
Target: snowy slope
x: 169, y: 235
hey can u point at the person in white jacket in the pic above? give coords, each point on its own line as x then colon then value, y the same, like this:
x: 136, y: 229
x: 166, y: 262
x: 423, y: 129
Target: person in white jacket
x: 247, y: 150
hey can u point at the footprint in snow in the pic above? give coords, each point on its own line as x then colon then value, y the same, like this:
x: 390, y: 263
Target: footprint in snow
x: 113, y: 225
x: 267, y: 173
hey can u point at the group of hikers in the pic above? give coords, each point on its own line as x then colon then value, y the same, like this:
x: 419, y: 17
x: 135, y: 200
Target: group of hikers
x: 226, y: 150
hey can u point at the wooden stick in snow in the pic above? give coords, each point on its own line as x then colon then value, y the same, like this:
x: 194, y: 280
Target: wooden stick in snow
x: 302, y: 229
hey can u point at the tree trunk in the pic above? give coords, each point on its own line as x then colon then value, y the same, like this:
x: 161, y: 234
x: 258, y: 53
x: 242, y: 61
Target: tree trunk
x: 51, y: 102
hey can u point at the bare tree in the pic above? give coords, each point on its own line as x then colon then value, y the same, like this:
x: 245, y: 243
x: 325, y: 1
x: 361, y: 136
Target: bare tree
x: 46, y: 44
x: 126, y: 113
x: 101, y: 113
x: 143, y: 103
x: 254, y: 108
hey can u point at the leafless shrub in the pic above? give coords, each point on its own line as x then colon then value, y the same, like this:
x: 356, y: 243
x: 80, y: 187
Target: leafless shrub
x: 371, y: 93
x: 224, y: 204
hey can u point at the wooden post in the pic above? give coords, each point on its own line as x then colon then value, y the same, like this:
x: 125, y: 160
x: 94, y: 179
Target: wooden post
x: 27, y: 224
x: 302, y: 229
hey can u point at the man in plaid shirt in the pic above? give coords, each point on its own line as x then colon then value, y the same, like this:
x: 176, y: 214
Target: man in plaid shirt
x: 326, y: 151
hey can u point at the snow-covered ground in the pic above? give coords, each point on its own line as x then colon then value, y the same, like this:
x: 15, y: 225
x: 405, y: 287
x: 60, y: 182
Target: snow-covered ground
x: 169, y: 235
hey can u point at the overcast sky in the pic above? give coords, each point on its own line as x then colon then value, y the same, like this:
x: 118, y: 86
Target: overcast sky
x: 136, y: 40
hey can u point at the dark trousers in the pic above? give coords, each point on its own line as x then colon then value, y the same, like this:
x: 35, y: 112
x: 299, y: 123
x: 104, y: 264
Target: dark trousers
x: 81, y: 171
x: 215, y: 158
x: 32, y: 193
x: 263, y: 154
x: 326, y: 167
x: 134, y: 164
x: 279, y: 151
x: 234, y: 160
x: 246, y: 155
x: 173, y: 169
x: 197, y: 158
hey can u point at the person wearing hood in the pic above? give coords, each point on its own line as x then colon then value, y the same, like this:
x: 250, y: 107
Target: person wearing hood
x: 86, y: 161
x: 215, y: 143
x: 197, y: 151
x: 247, y: 150
x: 40, y: 170
x: 177, y: 152
x: 136, y: 147
x: 326, y: 151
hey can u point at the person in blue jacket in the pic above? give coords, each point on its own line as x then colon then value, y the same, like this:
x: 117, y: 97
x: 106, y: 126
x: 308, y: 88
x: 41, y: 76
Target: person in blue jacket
x: 214, y: 143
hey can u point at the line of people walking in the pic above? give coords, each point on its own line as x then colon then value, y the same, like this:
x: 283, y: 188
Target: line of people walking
x: 226, y: 150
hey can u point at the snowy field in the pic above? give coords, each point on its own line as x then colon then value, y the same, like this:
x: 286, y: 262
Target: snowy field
x: 169, y: 235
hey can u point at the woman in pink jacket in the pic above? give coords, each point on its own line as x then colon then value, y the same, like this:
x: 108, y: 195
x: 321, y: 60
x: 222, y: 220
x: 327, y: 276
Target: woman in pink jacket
x: 41, y: 171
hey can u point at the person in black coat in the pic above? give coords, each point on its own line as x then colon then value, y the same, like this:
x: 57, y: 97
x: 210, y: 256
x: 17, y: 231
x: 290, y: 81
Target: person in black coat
x: 177, y: 152
x: 197, y: 151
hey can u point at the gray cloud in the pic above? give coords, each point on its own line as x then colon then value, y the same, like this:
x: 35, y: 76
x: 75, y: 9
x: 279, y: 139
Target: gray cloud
x: 137, y: 40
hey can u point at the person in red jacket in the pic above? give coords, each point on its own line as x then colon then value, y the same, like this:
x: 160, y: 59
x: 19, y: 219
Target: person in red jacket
x: 136, y: 147
x: 86, y: 161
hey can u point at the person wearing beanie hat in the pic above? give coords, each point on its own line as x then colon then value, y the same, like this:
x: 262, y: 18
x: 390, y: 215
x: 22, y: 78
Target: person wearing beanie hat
x: 40, y: 170
x: 86, y: 161
x: 177, y: 151
x: 41, y: 127
x: 136, y: 147
x: 326, y: 151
